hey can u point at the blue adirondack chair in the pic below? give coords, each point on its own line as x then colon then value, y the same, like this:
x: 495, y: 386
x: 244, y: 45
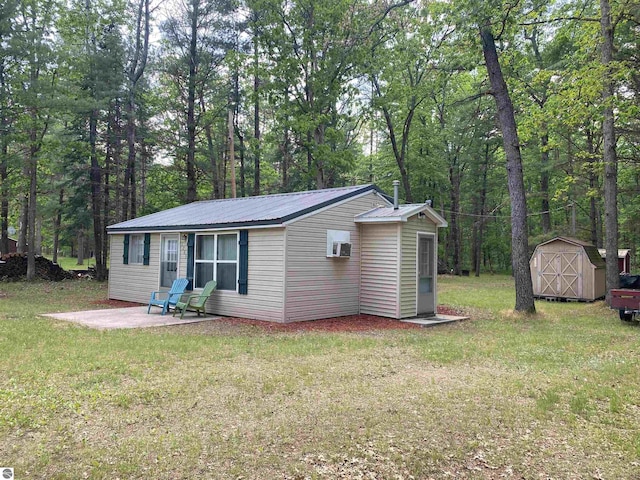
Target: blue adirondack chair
x: 168, y: 298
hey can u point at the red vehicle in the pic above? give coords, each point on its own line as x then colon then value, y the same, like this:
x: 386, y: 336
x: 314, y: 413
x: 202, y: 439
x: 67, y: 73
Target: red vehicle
x: 627, y: 298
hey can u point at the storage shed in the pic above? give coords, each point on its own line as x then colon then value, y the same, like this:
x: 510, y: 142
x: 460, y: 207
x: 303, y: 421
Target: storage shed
x: 287, y: 257
x: 13, y: 247
x: 624, y: 259
x: 567, y: 268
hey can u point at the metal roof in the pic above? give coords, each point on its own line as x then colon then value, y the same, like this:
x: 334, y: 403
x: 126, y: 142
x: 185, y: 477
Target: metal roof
x: 239, y: 212
x: 401, y: 214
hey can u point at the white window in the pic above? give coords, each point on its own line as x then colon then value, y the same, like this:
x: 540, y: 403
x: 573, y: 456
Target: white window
x: 136, y: 249
x: 216, y: 259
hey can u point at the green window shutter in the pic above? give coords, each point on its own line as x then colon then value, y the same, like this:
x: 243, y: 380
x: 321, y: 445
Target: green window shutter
x: 147, y: 248
x: 243, y: 267
x: 125, y: 255
x: 191, y: 242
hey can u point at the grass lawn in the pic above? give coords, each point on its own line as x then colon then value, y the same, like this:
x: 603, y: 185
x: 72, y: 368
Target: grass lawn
x: 499, y: 396
x: 71, y: 263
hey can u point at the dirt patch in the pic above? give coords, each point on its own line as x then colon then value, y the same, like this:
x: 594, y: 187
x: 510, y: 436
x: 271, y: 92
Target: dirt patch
x: 447, y: 310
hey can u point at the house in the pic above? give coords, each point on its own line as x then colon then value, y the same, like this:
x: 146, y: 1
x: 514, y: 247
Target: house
x: 287, y: 257
x: 567, y: 268
x: 624, y: 259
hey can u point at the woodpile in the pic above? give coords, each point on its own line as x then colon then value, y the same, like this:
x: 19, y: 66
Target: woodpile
x: 13, y: 266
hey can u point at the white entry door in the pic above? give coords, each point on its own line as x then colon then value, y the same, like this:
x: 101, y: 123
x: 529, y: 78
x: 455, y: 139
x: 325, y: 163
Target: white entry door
x: 426, y: 275
x: 168, y: 260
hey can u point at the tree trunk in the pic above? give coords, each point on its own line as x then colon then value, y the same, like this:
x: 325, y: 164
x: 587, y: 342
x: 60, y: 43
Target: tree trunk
x: 478, y: 226
x: 309, y: 162
x: 135, y: 71
x: 24, y: 213
x: 191, y: 97
x: 96, y: 196
x: 286, y: 160
x: 144, y: 163
x: 57, y: 222
x: 38, y: 240
x: 399, y: 152
x: 256, y: 121
x: 574, y: 196
x: 215, y: 181
x: 593, y: 185
x: 4, y: 158
x: 32, y: 162
x: 609, y: 154
x: 541, y: 100
x: 242, y: 166
x: 545, y: 214
x: 80, y: 252
x: 454, y: 227
x: 4, y: 203
x: 4, y: 198
x: 321, y: 174
x: 232, y: 154
x: 129, y: 197
x: 511, y: 143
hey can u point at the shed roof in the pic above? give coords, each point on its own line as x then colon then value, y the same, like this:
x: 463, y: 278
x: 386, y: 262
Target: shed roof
x: 622, y: 252
x: 390, y: 214
x: 264, y: 210
x: 590, y: 250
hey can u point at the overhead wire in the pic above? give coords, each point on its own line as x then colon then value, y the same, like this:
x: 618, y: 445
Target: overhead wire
x: 535, y: 214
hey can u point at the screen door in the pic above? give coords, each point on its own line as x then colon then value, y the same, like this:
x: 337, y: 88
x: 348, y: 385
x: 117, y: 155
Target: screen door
x: 168, y: 260
x: 426, y: 280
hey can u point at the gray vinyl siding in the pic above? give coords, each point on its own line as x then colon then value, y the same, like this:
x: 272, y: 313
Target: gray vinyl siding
x: 408, y: 274
x: 133, y: 283
x: 317, y: 286
x: 264, y: 300
x: 379, y: 271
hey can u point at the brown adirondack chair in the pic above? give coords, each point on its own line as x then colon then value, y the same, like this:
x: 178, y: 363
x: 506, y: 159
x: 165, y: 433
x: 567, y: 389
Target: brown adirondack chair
x: 196, y: 302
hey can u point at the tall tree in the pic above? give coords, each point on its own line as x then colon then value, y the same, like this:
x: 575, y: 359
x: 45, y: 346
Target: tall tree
x: 36, y: 27
x: 312, y: 48
x: 406, y: 57
x: 198, y: 38
x: 609, y: 151
x: 137, y: 62
x: 8, y: 11
x: 511, y: 143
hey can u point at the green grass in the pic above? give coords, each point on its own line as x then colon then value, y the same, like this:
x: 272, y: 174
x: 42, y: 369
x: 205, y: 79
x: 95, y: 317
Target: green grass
x: 556, y: 395
x: 71, y: 263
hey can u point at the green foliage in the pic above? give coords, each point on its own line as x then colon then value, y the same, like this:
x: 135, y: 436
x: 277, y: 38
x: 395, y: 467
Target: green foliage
x: 332, y: 82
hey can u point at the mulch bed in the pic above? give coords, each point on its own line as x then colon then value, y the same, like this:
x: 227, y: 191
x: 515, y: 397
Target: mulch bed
x: 351, y: 323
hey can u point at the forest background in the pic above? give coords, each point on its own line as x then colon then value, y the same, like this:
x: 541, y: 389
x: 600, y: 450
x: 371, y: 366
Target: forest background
x: 112, y: 109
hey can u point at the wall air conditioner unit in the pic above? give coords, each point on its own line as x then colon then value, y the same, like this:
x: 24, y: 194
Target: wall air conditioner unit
x: 341, y: 249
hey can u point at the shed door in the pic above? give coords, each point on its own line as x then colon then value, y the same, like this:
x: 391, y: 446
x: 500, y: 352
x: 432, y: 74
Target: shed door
x: 560, y: 274
x: 426, y: 261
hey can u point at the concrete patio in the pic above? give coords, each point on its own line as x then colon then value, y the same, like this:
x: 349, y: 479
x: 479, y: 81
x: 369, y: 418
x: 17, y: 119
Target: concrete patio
x: 130, y: 317
x: 439, y: 319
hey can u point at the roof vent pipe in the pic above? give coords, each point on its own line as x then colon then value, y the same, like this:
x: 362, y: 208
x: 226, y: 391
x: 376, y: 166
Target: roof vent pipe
x: 396, y: 183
